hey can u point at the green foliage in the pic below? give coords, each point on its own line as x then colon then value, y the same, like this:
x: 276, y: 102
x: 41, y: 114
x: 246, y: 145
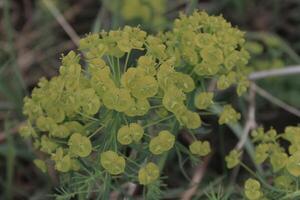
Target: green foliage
x: 150, y: 13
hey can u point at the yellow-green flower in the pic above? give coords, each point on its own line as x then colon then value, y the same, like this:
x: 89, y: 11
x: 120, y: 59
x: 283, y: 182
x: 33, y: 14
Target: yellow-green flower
x: 284, y: 182
x: 203, y: 100
x: 200, y: 148
x: 278, y: 160
x: 26, y: 130
x: 59, y: 131
x: 124, y: 135
x: 252, y: 189
x: 229, y: 115
x: 62, y: 160
x: 293, y: 164
x: 188, y: 118
x: 112, y: 162
x: 48, y: 145
x: 233, y: 159
x: 80, y: 145
x: 45, y: 123
x: 128, y: 134
x: 261, y: 153
x: 162, y: 143
x: 40, y: 164
x: 148, y: 173
x: 226, y: 80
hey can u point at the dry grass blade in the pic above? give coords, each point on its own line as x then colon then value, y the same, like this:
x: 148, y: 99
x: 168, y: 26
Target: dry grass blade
x: 289, y: 70
x: 197, y: 178
x: 263, y: 93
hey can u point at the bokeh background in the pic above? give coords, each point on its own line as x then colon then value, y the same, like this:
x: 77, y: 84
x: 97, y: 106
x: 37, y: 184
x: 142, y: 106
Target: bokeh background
x: 34, y: 34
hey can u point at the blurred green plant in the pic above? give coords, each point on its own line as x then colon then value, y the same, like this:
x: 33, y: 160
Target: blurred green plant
x: 282, y: 160
x: 269, y: 51
x: 149, y: 13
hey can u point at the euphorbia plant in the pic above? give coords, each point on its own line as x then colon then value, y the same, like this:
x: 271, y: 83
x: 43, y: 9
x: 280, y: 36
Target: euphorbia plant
x: 108, y: 119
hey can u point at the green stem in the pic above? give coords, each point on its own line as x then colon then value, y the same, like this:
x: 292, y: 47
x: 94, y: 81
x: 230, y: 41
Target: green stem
x: 156, y: 106
x: 88, y: 117
x: 119, y: 69
x: 111, y: 65
x: 96, y: 131
x: 292, y: 195
x: 126, y: 61
x: 158, y: 121
x: 249, y: 170
x: 10, y: 162
x: 10, y: 38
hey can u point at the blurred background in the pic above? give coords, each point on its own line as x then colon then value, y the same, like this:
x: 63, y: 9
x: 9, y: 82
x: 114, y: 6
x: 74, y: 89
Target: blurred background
x: 34, y: 34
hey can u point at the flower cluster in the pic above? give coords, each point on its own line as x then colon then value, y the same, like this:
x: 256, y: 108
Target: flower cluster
x: 269, y: 149
x: 284, y: 161
x: 233, y: 159
x: 123, y: 111
x: 253, y: 189
x: 209, y: 46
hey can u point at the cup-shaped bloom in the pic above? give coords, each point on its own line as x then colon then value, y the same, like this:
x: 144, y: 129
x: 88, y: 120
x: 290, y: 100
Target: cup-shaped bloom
x: 200, y: 148
x: 62, y: 160
x: 293, y: 164
x: 229, y: 115
x: 203, y: 100
x: 112, y: 162
x: 162, y: 143
x: 252, y: 189
x: 80, y: 145
x: 233, y: 159
x: 148, y: 174
x: 128, y: 134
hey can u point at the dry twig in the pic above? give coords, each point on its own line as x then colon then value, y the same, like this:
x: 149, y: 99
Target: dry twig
x: 62, y: 21
x: 197, y: 178
x: 276, y: 101
x: 250, y: 123
x: 289, y: 70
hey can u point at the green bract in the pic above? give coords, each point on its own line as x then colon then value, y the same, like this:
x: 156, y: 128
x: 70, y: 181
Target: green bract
x: 204, y: 100
x: 292, y: 165
x: 113, y: 163
x: 162, y: 143
x: 26, y: 130
x: 229, y: 115
x: 200, y: 148
x: 128, y: 134
x: 40, y: 164
x: 233, y: 159
x: 252, y: 190
x: 62, y: 161
x: 80, y: 145
x: 148, y: 173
